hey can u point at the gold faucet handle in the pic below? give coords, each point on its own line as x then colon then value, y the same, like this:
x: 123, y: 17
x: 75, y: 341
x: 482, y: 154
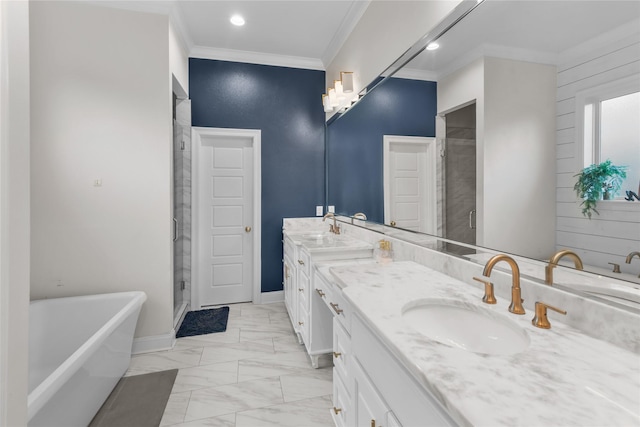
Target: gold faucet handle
x: 489, y: 297
x: 540, y: 319
x: 616, y: 267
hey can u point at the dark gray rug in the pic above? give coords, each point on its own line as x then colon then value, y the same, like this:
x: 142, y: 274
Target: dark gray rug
x: 202, y: 322
x: 137, y: 401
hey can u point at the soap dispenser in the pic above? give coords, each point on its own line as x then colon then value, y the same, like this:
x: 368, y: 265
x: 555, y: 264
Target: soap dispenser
x: 383, y: 253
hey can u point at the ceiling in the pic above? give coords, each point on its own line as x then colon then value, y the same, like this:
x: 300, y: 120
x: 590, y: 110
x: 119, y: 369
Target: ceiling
x: 300, y: 33
x: 539, y: 31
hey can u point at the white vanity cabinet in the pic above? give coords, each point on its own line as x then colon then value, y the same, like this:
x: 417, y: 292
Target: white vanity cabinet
x: 290, y: 280
x: 310, y: 315
x: 370, y: 385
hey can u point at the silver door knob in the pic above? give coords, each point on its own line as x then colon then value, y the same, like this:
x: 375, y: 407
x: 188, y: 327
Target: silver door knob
x: 247, y: 229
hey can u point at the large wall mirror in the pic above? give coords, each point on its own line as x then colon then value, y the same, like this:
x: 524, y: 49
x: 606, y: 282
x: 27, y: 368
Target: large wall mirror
x: 479, y: 140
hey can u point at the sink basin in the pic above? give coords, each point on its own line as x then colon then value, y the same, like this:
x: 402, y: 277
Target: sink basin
x: 465, y: 326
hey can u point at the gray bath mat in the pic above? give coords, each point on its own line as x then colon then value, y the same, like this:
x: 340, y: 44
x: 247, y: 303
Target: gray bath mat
x: 137, y: 401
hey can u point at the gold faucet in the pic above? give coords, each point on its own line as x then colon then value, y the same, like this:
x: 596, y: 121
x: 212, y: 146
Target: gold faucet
x: 553, y: 262
x: 516, y: 294
x: 333, y: 228
x: 631, y: 255
x: 540, y: 320
x: 358, y: 215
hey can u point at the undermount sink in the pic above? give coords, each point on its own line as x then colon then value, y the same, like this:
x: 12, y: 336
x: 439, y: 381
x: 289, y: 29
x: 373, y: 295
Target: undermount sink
x: 465, y: 326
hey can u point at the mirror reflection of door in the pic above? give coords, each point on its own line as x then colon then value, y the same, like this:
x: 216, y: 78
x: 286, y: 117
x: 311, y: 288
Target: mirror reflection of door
x: 459, y: 167
x: 410, y: 182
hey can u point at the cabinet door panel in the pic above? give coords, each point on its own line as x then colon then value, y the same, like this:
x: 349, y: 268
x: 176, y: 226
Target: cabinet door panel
x: 342, y: 408
x: 342, y: 353
x: 370, y: 409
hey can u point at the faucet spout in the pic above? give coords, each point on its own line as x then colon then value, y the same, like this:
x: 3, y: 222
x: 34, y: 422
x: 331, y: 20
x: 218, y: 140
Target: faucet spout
x: 333, y: 228
x: 631, y: 255
x: 516, y: 292
x: 553, y: 262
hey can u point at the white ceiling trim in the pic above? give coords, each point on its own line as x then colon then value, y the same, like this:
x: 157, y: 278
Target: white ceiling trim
x: 495, y: 51
x: 416, y: 74
x: 203, y: 52
x: 619, y: 34
x: 355, y: 12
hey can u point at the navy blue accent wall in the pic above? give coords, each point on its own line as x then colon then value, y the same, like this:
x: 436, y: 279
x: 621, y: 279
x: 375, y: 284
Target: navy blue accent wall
x: 285, y: 104
x: 354, y: 142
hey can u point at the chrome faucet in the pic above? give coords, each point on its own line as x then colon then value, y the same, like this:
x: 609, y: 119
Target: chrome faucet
x: 553, y: 262
x: 333, y: 228
x: 631, y: 255
x: 516, y: 294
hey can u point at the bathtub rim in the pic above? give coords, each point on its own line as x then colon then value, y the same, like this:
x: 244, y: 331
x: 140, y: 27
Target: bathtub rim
x: 43, y: 392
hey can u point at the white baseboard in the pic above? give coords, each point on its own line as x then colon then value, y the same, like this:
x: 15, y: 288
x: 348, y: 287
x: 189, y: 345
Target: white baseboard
x: 154, y: 343
x: 271, y: 297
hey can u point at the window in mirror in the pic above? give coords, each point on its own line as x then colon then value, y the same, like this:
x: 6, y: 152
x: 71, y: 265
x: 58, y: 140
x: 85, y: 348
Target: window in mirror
x: 612, y: 131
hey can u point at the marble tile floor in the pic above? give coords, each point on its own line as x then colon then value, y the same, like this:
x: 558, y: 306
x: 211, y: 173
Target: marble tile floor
x: 253, y: 374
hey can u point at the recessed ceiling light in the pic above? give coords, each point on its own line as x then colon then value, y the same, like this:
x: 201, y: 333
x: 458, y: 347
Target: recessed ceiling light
x: 433, y: 46
x: 237, y: 20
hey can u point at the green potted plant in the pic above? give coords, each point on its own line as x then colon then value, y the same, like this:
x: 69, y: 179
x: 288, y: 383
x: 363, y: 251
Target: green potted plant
x: 598, y: 182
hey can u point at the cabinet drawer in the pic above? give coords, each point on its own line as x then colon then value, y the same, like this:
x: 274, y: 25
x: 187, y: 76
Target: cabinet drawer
x: 341, y: 309
x: 303, y: 290
x: 304, y: 262
x: 342, y: 353
x: 303, y: 324
x: 322, y: 288
x: 341, y: 403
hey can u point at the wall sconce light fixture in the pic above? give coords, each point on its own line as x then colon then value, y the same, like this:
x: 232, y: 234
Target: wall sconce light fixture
x: 346, y: 77
x: 335, y: 95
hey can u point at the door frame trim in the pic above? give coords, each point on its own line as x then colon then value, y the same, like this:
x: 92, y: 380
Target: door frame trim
x: 256, y: 140
x: 431, y: 190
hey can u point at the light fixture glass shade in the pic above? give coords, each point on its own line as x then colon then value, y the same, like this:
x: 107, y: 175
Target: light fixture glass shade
x: 346, y: 77
x: 326, y: 104
x: 337, y: 85
x: 237, y: 20
x: 333, y: 99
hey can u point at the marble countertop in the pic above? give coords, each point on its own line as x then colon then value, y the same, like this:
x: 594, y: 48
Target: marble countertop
x: 327, y: 242
x: 564, y: 378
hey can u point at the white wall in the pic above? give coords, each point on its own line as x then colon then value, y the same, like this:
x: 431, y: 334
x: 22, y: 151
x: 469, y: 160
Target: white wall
x: 515, y: 122
x: 519, y: 154
x: 383, y: 33
x: 455, y: 90
x: 14, y: 211
x: 101, y: 110
x: 613, y: 234
x: 179, y: 60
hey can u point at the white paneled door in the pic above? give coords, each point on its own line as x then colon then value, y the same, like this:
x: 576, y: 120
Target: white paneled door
x: 409, y: 183
x: 226, y: 219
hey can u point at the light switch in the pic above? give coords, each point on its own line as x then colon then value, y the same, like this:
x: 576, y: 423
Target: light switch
x: 318, y: 210
x: 332, y: 209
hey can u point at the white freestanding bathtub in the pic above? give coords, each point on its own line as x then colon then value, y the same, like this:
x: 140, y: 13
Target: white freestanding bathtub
x: 79, y: 348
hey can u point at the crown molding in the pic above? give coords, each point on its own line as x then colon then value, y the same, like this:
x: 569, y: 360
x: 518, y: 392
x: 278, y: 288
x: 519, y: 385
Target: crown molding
x: 180, y: 29
x: 416, y: 74
x: 157, y: 7
x: 203, y: 52
x: 496, y: 51
x: 621, y: 36
x: 349, y: 22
